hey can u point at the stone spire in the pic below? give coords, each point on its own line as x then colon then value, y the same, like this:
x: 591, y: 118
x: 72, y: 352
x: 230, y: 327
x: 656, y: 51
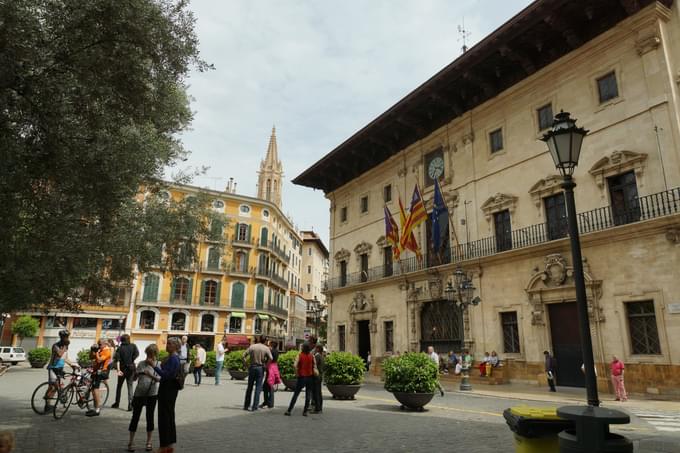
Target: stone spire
x: 269, y: 181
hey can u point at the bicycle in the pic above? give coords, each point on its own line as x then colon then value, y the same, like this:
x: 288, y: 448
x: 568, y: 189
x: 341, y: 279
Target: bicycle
x: 41, y: 401
x: 80, y: 391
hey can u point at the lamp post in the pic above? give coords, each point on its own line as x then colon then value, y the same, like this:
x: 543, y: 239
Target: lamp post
x: 564, y: 143
x: 461, y: 293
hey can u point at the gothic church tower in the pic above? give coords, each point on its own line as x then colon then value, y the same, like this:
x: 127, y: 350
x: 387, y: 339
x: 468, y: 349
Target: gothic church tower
x: 270, y: 176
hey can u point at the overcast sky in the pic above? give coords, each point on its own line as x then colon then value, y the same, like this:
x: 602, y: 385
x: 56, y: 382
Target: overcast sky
x: 319, y: 71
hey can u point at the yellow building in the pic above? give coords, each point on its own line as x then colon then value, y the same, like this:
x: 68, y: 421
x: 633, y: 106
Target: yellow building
x: 476, y: 127
x: 246, y: 274
x: 242, y: 290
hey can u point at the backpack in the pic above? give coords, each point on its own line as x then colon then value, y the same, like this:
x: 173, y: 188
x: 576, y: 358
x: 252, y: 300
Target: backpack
x: 180, y: 377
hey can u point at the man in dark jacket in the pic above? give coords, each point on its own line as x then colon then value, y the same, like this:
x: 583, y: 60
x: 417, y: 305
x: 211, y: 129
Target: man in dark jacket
x: 318, y: 380
x: 125, y: 358
x: 550, y: 370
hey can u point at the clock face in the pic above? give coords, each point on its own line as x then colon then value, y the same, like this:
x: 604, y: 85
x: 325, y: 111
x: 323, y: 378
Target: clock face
x: 436, y: 168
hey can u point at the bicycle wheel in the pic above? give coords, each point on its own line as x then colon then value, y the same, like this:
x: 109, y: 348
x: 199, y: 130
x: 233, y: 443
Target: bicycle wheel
x: 103, y: 393
x: 40, y: 400
x: 64, y: 398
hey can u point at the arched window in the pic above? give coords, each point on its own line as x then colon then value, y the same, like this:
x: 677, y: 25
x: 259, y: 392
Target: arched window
x: 264, y: 236
x: 151, y: 284
x: 178, y: 321
x: 210, y: 292
x: 237, y: 295
x: 259, y: 297
x: 147, y: 319
x: 268, y: 195
x: 213, y: 258
x: 207, y: 323
x: 181, y: 290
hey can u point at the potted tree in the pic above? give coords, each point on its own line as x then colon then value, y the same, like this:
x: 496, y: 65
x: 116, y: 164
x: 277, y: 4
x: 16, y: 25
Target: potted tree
x: 39, y: 357
x: 343, y: 373
x: 84, y: 359
x: 237, y: 365
x: 287, y: 368
x: 411, y: 378
x: 210, y: 363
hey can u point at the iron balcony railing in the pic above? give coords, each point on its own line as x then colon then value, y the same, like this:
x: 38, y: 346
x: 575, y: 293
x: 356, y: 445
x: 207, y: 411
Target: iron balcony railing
x: 635, y: 210
x: 277, y: 310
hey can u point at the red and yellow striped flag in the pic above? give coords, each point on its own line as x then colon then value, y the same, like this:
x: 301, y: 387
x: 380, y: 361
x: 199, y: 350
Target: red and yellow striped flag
x: 411, y: 243
x: 417, y: 215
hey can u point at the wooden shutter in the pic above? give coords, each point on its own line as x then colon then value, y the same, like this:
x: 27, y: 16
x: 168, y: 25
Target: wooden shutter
x: 173, y: 286
x: 259, y: 297
x: 217, y: 293
x: 202, y: 299
x: 190, y: 289
x: 248, y: 234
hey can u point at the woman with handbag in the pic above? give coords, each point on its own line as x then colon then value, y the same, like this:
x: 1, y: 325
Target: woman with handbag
x: 198, y: 363
x: 305, y: 367
x: 145, y: 395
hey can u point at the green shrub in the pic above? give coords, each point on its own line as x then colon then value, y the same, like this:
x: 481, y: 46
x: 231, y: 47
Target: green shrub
x: 84, y: 358
x: 412, y: 372
x: 235, y: 361
x: 39, y: 355
x: 287, y: 364
x: 210, y: 362
x: 343, y: 368
x: 162, y: 355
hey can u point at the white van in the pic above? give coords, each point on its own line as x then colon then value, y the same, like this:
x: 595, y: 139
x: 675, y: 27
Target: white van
x: 12, y: 354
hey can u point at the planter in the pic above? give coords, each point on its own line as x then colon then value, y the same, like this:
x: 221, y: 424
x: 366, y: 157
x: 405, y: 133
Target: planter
x: 238, y: 374
x: 210, y: 372
x: 414, y: 401
x: 343, y: 391
x: 290, y: 383
x: 38, y: 363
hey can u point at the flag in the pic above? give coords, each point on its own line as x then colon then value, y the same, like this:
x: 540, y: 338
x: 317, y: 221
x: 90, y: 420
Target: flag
x: 417, y: 215
x: 440, y: 219
x: 392, y: 234
x: 411, y: 243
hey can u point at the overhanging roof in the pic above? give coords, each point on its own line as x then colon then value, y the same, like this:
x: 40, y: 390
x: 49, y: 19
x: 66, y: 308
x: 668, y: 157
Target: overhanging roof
x: 537, y: 36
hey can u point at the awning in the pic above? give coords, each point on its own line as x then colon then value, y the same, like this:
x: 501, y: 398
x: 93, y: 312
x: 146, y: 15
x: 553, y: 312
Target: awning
x: 237, y: 340
x: 262, y: 316
x: 238, y: 314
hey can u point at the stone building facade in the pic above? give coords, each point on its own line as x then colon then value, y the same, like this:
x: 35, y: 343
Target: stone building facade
x: 476, y: 126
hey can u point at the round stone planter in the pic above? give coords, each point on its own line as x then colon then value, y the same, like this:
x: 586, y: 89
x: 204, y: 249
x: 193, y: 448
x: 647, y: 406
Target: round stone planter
x: 343, y: 391
x: 210, y: 372
x: 290, y: 383
x: 238, y: 374
x: 38, y: 363
x: 413, y: 401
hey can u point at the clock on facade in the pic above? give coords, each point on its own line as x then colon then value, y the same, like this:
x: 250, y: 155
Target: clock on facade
x: 434, y: 166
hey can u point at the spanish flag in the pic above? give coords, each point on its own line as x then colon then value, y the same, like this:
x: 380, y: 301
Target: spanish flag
x: 417, y: 215
x: 411, y: 243
x: 392, y: 234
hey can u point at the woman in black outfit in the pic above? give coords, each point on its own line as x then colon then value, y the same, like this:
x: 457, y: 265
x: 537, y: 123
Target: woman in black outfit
x: 167, y: 396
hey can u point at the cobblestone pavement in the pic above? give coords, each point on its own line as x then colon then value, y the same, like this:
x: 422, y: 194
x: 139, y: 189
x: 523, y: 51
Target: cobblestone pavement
x: 211, y: 419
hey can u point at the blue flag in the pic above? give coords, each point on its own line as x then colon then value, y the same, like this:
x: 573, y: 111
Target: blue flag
x: 440, y: 219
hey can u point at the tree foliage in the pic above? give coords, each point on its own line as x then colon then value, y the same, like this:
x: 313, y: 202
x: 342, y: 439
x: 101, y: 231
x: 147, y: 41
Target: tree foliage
x: 343, y: 368
x: 92, y: 98
x: 25, y: 326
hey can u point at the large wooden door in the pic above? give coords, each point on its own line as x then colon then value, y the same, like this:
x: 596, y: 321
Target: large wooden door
x: 364, y: 339
x: 566, y: 344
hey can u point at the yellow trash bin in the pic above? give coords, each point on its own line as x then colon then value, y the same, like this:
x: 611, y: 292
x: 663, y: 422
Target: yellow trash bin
x: 536, y: 428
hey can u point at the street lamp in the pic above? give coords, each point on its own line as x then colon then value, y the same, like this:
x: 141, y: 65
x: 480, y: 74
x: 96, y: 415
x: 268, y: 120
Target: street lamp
x: 564, y: 143
x: 461, y: 293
